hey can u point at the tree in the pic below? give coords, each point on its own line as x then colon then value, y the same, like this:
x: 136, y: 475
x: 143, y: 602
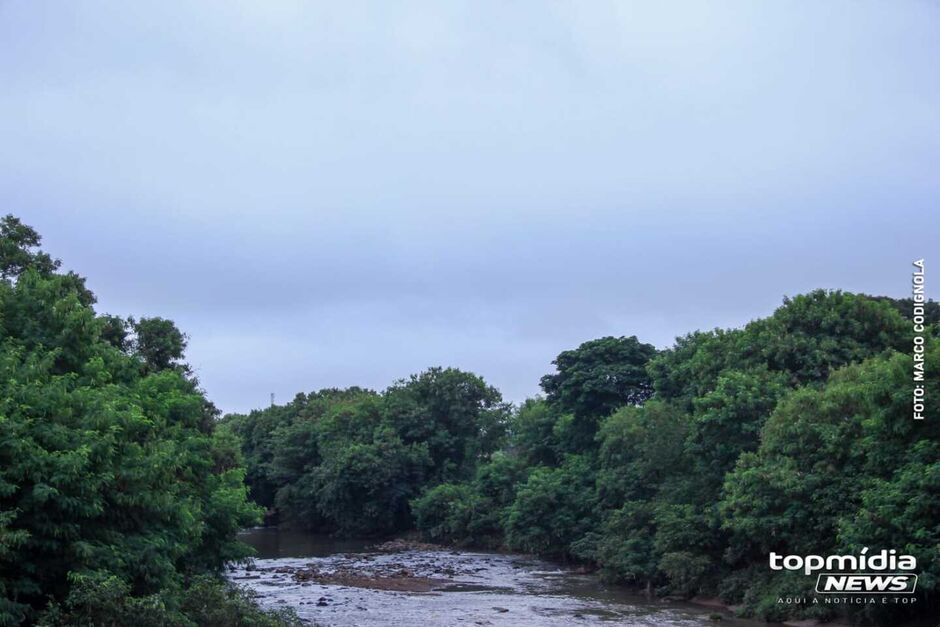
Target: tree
x: 18, y: 244
x: 472, y: 513
x: 592, y: 381
x: 532, y: 433
x: 813, y: 334
x: 599, y: 376
x: 116, y: 331
x: 838, y: 469
x: 727, y: 422
x: 640, y: 448
x: 460, y: 418
x: 624, y: 545
x: 159, y: 343
x: 109, y: 474
x: 553, y: 509
x: 364, y: 489
x: 451, y: 512
x: 805, y: 339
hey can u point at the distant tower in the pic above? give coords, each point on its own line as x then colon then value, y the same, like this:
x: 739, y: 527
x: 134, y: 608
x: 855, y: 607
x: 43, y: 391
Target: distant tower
x: 272, y: 399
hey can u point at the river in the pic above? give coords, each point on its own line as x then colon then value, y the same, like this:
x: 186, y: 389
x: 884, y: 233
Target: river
x: 351, y: 582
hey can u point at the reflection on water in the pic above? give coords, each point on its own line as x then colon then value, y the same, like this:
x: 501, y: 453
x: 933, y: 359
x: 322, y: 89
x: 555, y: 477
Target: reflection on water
x: 346, y: 582
x: 272, y: 543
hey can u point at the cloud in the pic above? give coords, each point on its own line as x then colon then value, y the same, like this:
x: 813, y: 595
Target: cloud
x: 339, y: 194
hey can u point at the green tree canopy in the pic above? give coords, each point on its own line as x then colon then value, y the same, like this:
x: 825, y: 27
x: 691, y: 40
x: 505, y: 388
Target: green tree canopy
x: 599, y: 376
x: 109, y: 472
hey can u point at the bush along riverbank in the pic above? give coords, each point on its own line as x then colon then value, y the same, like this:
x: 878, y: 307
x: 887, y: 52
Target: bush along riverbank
x: 676, y: 471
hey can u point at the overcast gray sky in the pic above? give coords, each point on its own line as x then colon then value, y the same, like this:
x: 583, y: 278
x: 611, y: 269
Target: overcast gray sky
x: 330, y: 194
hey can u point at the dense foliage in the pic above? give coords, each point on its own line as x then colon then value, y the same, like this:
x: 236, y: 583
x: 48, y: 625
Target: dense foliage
x: 350, y: 461
x: 677, y: 471
x: 119, y: 497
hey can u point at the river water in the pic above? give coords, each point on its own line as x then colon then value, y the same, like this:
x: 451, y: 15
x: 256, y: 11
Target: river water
x: 349, y: 582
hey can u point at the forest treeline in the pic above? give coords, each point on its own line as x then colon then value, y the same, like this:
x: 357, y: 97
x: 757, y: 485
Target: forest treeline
x: 120, y: 497
x: 677, y: 471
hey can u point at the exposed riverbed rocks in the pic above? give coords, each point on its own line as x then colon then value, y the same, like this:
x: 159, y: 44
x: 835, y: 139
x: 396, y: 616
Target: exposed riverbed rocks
x: 408, y: 582
x: 406, y: 544
x: 435, y: 569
